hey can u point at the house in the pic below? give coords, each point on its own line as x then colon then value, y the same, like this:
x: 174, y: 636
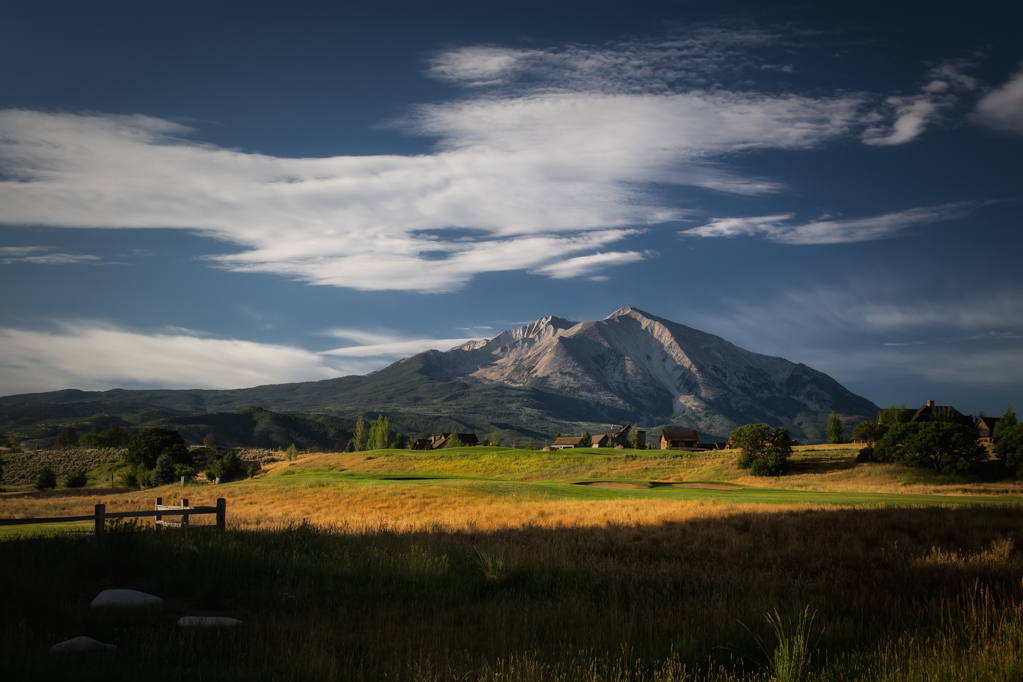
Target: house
x: 564, y: 442
x: 601, y: 441
x: 678, y: 439
x: 987, y: 429
x: 620, y: 436
x: 931, y: 412
x: 440, y: 440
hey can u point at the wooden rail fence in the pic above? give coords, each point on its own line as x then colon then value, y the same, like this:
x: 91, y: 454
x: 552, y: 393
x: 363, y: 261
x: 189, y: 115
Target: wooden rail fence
x: 100, y: 515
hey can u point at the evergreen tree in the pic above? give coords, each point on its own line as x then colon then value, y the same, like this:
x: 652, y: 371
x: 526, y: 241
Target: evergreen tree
x: 836, y: 430
x: 587, y: 439
x: 46, y: 479
x: 399, y: 441
x: 210, y: 442
x: 493, y: 439
x: 454, y: 441
x: 116, y: 436
x: 66, y: 439
x: 291, y: 454
x: 164, y: 471
x: 1008, y: 419
x: 633, y: 437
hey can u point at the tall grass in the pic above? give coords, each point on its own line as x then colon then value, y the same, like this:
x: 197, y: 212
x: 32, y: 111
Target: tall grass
x: 874, y: 594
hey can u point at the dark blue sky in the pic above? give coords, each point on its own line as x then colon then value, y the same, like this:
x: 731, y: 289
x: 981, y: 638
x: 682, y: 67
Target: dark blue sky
x: 219, y: 194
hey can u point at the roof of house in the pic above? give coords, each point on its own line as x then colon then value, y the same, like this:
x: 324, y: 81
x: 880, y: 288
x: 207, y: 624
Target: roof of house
x: 617, y: 431
x: 988, y: 422
x: 601, y: 438
x: 568, y: 440
x: 679, y: 434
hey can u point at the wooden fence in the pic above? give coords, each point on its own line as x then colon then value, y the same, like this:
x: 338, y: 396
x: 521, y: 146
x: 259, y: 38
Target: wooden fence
x: 100, y: 515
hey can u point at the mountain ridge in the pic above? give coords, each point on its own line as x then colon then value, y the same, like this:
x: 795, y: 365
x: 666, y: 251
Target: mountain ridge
x: 553, y: 374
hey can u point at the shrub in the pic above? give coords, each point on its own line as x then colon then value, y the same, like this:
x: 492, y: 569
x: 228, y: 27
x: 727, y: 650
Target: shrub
x: 164, y: 471
x: 46, y: 479
x: 210, y: 442
x: 137, y: 476
x: 76, y: 478
x: 291, y: 454
x: 865, y: 454
x: 947, y: 447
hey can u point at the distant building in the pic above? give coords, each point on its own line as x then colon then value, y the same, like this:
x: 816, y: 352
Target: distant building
x: 678, y: 439
x: 601, y: 441
x: 565, y: 442
x: 441, y: 440
x: 987, y: 429
x: 620, y: 436
x: 931, y: 412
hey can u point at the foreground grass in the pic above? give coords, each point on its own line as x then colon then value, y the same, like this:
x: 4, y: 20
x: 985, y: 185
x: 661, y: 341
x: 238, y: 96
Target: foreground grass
x: 899, y: 594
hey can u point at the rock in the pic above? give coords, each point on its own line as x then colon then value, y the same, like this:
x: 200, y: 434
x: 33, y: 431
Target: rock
x: 125, y: 598
x: 79, y: 645
x: 208, y: 622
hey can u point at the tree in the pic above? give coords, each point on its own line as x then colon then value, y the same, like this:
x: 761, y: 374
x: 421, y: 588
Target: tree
x: 379, y: 436
x: 76, y: 478
x: 836, y: 429
x: 530, y: 446
x: 1, y: 468
x: 1008, y: 419
x: 46, y: 479
x: 13, y: 445
x: 1009, y: 447
x: 587, y: 440
x: 763, y: 452
x: 633, y: 437
x: 164, y: 471
x: 454, y: 441
x: 493, y: 439
x: 223, y: 465
x: 359, y: 440
x: 945, y: 446
x: 145, y: 446
x: 399, y: 441
x: 868, y: 432
x: 66, y: 439
x: 116, y: 436
x: 210, y: 442
x: 291, y: 454
x: 891, y: 415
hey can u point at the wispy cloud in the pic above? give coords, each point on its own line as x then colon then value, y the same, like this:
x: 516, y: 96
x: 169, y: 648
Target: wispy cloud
x: 781, y: 228
x: 905, y: 117
x: 588, y: 265
x: 1002, y: 108
x: 548, y: 155
x: 387, y: 345
x: 41, y: 255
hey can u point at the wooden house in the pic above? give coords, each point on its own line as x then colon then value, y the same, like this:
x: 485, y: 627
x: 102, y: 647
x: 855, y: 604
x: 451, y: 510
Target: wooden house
x: 679, y: 439
x: 620, y: 436
x: 987, y: 429
x: 565, y: 442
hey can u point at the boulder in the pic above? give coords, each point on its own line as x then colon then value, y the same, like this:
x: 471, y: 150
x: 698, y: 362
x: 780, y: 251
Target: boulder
x: 208, y: 622
x: 80, y: 645
x: 125, y: 598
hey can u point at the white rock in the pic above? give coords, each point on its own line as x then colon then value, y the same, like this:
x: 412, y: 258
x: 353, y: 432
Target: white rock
x: 125, y: 598
x: 208, y: 622
x: 81, y: 644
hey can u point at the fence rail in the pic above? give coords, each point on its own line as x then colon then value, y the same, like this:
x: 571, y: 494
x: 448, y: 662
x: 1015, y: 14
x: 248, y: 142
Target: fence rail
x: 100, y: 515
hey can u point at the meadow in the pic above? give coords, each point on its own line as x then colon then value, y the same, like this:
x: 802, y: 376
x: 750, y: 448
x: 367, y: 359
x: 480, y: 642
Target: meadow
x: 496, y: 564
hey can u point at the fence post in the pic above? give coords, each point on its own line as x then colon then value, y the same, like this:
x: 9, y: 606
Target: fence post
x: 101, y: 517
x: 184, y: 517
x: 159, y: 517
x: 221, y: 513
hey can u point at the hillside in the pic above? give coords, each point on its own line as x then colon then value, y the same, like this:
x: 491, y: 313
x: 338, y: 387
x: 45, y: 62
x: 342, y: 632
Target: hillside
x: 530, y: 382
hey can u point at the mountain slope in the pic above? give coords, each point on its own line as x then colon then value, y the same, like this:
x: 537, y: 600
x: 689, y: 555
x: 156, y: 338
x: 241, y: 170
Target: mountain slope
x: 550, y: 375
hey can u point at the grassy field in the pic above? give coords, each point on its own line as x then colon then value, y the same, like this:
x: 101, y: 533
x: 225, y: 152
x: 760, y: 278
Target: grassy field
x: 498, y: 564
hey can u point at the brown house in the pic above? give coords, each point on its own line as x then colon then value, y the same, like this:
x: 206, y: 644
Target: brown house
x: 602, y: 441
x: 931, y: 412
x: 441, y: 440
x: 567, y: 442
x: 620, y: 435
x: 987, y: 429
x: 678, y: 439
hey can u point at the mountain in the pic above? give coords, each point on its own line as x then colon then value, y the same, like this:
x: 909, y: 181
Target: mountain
x: 551, y: 375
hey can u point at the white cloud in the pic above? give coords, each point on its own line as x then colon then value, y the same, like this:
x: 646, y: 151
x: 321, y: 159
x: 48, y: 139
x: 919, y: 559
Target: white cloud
x: 780, y: 228
x: 385, y: 344
x: 96, y: 356
x: 905, y: 117
x: 38, y: 255
x: 1002, y: 109
x: 555, y: 165
x: 587, y: 265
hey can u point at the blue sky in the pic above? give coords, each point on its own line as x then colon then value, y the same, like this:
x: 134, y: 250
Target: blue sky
x: 223, y: 195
